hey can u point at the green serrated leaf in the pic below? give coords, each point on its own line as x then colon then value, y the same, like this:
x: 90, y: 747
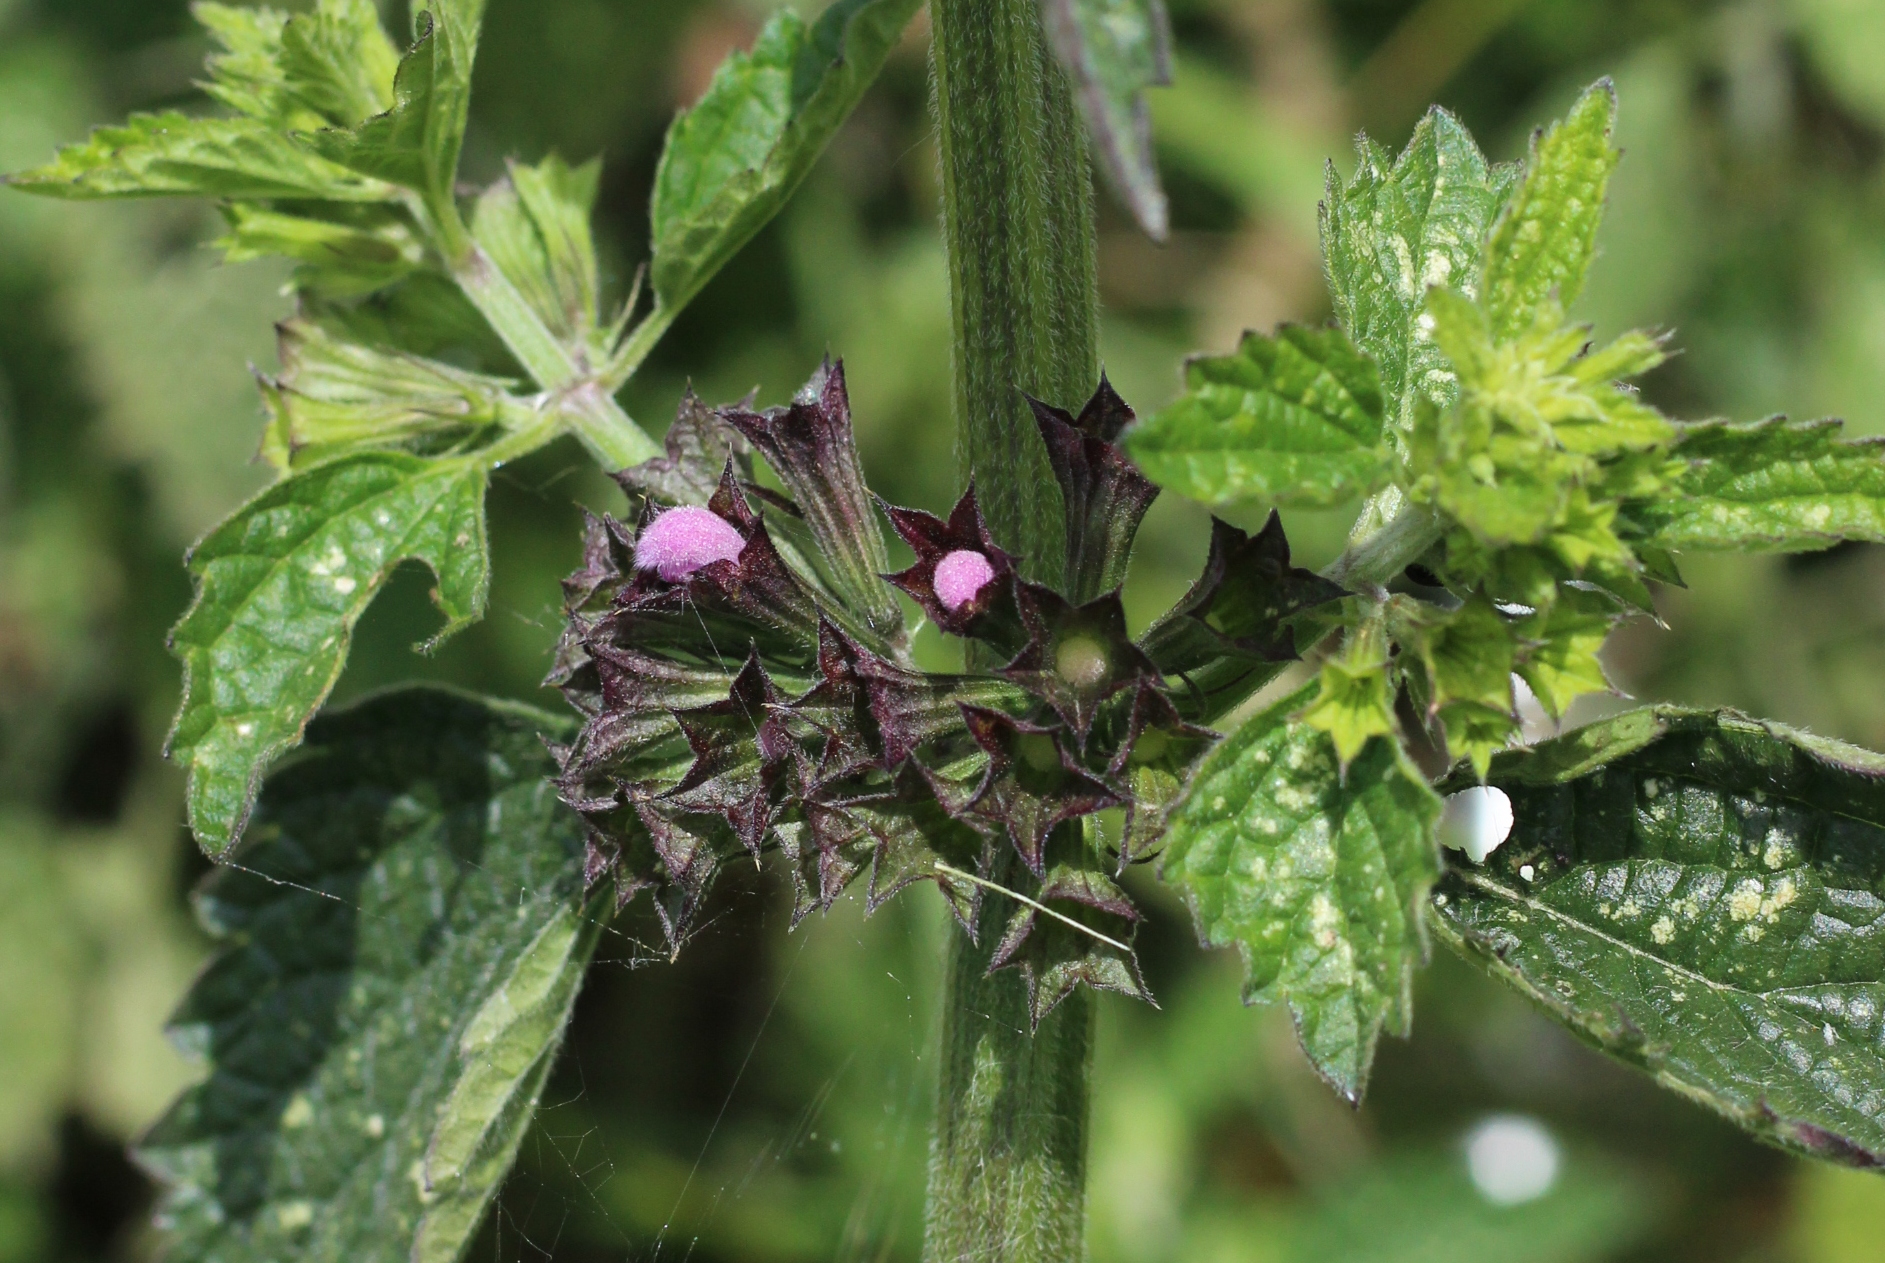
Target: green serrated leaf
x: 281, y: 584
x: 1560, y: 664
x: 1317, y: 877
x: 535, y: 227
x: 404, y: 935
x: 416, y: 143
x: 246, y: 75
x: 173, y: 154
x: 1696, y: 893
x: 1354, y: 700
x: 338, y: 61
x: 1542, y: 245
x: 1295, y: 419
x: 1768, y: 486
x: 734, y: 158
x: 1115, y: 50
x: 1395, y: 230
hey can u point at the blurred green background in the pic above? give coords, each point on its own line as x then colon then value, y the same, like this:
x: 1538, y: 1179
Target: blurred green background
x: 766, y: 1098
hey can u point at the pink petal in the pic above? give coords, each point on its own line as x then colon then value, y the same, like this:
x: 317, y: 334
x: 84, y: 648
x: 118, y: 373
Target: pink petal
x: 960, y: 577
x: 684, y: 539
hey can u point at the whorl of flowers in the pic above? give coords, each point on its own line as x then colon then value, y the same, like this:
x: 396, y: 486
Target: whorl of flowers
x: 743, y: 665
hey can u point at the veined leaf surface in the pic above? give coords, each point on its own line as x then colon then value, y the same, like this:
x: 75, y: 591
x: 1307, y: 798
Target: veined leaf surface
x: 734, y: 158
x: 1318, y: 877
x: 1293, y: 419
x: 1698, y: 893
x: 281, y: 584
x: 403, y: 940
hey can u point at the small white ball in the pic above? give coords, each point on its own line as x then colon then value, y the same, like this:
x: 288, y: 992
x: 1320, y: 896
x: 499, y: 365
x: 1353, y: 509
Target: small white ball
x: 1476, y: 821
x: 1512, y: 1159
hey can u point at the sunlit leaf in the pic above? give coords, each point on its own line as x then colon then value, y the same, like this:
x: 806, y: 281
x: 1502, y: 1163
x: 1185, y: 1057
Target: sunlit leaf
x: 734, y: 158
x: 157, y: 154
x: 403, y: 936
x: 1293, y: 419
x: 1769, y: 486
x: 1318, y: 879
x: 1696, y: 893
x: 281, y: 584
x: 1543, y: 243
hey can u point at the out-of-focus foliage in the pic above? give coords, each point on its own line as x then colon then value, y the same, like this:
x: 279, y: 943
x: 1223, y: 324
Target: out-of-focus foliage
x: 780, y: 1113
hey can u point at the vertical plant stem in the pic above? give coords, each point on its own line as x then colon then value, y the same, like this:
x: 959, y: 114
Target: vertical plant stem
x: 1018, y: 228
x: 1007, y: 1177
x: 1008, y: 1159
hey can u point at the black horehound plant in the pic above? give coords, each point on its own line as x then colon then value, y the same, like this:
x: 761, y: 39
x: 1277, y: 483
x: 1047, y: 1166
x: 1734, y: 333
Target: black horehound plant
x: 420, y: 886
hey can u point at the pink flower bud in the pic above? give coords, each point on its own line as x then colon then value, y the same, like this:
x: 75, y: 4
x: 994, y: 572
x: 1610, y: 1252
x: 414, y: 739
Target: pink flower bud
x: 960, y: 577
x: 684, y: 539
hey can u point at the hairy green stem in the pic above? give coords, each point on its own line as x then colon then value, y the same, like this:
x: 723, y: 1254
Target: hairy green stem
x: 1018, y: 228
x: 1008, y: 1159
x: 1007, y: 1178
x: 611, y: 436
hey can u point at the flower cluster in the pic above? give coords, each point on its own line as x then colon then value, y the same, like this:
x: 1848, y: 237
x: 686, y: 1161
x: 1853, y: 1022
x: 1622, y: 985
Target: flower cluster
x: 743, y: 664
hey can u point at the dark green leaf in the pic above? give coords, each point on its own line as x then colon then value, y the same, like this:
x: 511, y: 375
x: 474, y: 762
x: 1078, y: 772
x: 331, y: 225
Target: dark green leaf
x: 1293, y: 419
x: 1543, y: 243
x: 1317, y: 878
x: 1392, y: 232
x: 1115, y: 50
x: 416, y: 143
x: 404, y: 934
x: 156, y: 154
x: 281, y: 584
x: 1697, y: 893
x: 1769, y: 486
x: 734, y: 158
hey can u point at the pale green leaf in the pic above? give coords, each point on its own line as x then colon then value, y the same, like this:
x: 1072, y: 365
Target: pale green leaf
x: 1543, y: 243
x: 1697, y: 893
x: 416, y: 143
x: 534, y: 225
x: 338, y: 62
x: 734, y: 158
x: 281, y: 584
x: 404, y: 934
x: 1768, y: 486
x: 342, y: 256
x: 1318, y: 878
x: 159, y: 154
x: 1395, y: 230
x: 1115, y: 50
x: 1293, y: 419
x: 333, y: 395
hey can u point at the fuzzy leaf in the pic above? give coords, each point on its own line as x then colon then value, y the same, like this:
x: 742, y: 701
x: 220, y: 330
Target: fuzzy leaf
x: 1545, y: 240
x: 1115, y: 50
x: 331, y: 67
x: 1319, y: 879
x: 281, y: 584
x: 1393, y: 231
x: 1769, y: 486
x: 1696, y: 892
x: 734, y: 158
x: 402, y: 942
x: 160, y: 154
x: 416, y: 143
x: 1294, y: 419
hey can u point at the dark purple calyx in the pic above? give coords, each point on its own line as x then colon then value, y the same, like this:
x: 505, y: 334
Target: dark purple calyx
x: 1076, y: 657
x: 699, y: 448
x: 1032, y: 784
x: 961, y: 578
x: 1105, y: 496
x: 810, y: 445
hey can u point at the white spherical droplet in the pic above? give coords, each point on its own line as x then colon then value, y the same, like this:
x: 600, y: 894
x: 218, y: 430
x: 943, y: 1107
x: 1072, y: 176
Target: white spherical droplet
x: 1512, y: 1159
x: 1476, y: 821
